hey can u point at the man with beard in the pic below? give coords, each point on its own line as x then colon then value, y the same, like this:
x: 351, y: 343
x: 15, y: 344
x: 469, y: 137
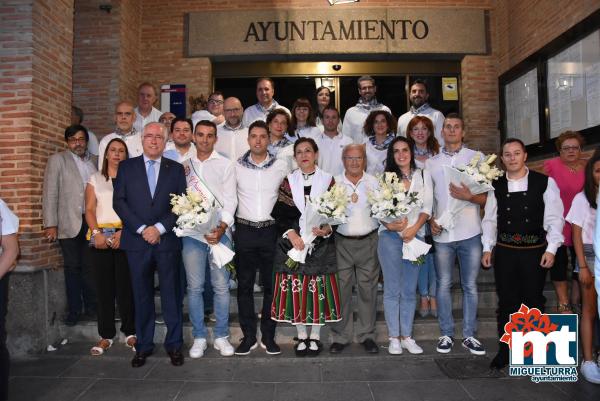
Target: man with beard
x: 355, y: 117
x: 124, y: 119
x: 182, y: 148
x: 419, y: 95
x: 233, y: 135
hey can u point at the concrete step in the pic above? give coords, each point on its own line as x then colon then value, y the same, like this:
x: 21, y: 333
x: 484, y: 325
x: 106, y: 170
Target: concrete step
x: 487, y: 298
x: 423, y: 329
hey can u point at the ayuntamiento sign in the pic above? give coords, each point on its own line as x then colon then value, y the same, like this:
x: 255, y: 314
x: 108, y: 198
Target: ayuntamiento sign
x: 336, y: 31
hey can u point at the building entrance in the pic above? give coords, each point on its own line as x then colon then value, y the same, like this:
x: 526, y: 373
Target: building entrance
x: 301, y: 79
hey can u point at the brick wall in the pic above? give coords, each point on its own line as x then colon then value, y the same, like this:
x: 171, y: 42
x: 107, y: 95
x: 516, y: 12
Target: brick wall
x: 35, y: 98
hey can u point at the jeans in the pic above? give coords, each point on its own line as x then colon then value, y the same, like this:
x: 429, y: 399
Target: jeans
x: 427, y: 284
x: 399, y: 285
x: 468, y: 252
x: 195, y: 256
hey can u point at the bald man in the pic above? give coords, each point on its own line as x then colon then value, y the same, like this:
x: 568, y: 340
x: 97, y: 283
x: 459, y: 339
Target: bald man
x: 233, y: 136
x: 124, y: 119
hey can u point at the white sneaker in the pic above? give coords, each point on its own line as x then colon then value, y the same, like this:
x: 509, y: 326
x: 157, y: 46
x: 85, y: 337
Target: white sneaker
x: 590, y: 371
x: 411, y: 346
x: 394, y: 347
x: 257, y: 288
x: 198, y: 348
x: 223, y: 345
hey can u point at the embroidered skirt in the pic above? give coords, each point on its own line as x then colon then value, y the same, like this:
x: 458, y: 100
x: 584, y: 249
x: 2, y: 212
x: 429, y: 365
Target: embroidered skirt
x: 305, y: 299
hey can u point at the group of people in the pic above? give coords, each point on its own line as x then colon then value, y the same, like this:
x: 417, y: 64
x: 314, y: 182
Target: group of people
x: 261, y: 165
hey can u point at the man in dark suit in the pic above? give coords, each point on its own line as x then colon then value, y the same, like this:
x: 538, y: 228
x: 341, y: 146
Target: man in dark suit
x: 142, y: 200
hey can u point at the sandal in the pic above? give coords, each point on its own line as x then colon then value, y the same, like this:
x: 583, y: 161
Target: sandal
x: 301, y: 352
x: 564, y: 309
x: 101, y: 347
x: 130, y: 341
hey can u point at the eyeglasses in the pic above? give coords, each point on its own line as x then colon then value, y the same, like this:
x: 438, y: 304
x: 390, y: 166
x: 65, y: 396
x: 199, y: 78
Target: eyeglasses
x: 214, y: 101
x: 75, y: 140
x: 570, y: 148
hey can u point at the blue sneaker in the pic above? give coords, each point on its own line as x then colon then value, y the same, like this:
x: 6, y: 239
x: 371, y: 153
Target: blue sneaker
x: 444, y: 344
x: 473, y: 345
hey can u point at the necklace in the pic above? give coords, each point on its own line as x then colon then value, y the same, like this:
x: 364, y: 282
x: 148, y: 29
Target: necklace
x: 307, y: 176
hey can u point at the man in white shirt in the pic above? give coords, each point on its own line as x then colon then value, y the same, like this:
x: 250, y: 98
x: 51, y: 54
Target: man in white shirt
x: 213, y: 177
x: 233, y: 136
x: 419, y: 107
x: 77, y: 119
x: 214, y: 111
x: 331, y: 143
x: 356, y: 244
x: 524, y: 221
x: 458, y: 240
x: 355, y: 117
x: 265, y: 90
x: 124, y: 118
x: 145, y: 112
x: 259, y: 175
x: 182, y: 148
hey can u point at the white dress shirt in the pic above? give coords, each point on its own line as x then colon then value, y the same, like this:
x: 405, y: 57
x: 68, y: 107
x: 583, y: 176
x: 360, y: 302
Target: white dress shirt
x: 172, y: 153
x: 354, y: 121
x: 584, y: 216
x: 553, y: 214
x: 360, y: 221
x: 470, y: 222
x: 258, y: 189
x: 200, y: 115
x: 217, y: 173
x: 232, y: 142
x: 141, y: 121
x: 133, y: 142
x: 257, y: 112
x: 436, y: 117
x: 330, y: 152
x: 86, y: 168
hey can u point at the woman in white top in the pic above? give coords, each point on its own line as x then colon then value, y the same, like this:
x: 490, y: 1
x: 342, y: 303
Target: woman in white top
x: 9, y: 250
x: 380, y: 128
x: 420, y: 133
x: 111, y: 271
x: 399, y: 275
x: 582, y: 217
x: 303, y: 120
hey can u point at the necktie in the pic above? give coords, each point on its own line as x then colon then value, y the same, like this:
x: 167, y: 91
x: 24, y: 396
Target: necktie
x: 151, y: 177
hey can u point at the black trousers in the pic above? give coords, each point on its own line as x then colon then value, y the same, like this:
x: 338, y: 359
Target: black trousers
x: 255, y: 249
x: 4, y: 356
x: 78, y: 273
x: 113, y: 281
x: 519, y: 280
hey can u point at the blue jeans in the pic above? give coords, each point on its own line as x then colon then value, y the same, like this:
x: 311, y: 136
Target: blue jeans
x: 399, y: 285
x: 195, y: 256
x: 468, y: 252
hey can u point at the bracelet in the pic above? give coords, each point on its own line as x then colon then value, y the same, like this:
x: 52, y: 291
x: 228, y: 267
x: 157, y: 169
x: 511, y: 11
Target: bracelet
x: 584, y: 267
x: 96, y: 231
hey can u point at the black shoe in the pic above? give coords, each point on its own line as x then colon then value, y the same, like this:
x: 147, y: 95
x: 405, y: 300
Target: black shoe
x: 301, y: 352
x: 139, y: 359
x: 270, y: 346
x: 176, y: 357
x: 336, y: 348
x: 314, y: 352
x: 501, y: 359
x: 370, y: 346
x: 71, y: 319
x: 247, y: 345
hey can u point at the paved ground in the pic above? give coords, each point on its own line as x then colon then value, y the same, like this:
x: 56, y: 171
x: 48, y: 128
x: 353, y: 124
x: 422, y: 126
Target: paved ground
x: 71, y: 374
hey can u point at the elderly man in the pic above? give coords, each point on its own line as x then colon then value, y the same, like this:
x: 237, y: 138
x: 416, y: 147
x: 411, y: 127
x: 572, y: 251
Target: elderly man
x: 183, y: 148
x: 356, y: 244
x: 419, y: 95
x: 124, y: 118
x: 63, y: 207
x: 145, y: 112
x: 213, y: 177
x: 265, y: 90
x: 331, y: 143
x: 355, y: 117
x: 142, y: 200
x: 233, y: 136
x: 259, y: 175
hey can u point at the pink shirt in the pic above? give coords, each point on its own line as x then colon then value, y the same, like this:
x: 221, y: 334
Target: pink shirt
x: 570, y: 184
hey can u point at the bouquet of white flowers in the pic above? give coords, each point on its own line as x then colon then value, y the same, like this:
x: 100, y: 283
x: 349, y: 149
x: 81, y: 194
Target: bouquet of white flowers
x: 328, y: 208
x: 477, y: 176
x: 197, y: 217
x: 392, y: 201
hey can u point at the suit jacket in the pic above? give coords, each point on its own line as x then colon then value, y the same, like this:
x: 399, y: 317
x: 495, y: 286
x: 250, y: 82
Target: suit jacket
x: 136, y: 207
x: 63, y: 194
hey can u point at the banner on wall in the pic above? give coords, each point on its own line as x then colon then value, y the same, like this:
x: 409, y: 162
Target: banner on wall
x: 173, y: 99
